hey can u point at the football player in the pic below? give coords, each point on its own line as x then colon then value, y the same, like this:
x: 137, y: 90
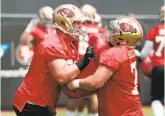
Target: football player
x: 155, y: 40
x: 52, y: 65
x: 34, y: 33
x: 93, y: 23
x: 38, y: 28
x: 116, y: 76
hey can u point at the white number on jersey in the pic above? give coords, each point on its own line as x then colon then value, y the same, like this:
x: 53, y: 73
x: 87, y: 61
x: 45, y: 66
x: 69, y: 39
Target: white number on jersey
x: 134, y: 71
x: 161, y: 40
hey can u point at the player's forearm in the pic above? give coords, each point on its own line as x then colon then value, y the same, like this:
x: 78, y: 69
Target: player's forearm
x: 68, y: 73
x: 148, y: 46
x: 93, y: 82
x: 71, y: 71
x: 89, y: 84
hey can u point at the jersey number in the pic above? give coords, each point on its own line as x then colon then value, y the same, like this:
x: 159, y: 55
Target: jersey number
x: 161, y: 41
x: 134, y: 71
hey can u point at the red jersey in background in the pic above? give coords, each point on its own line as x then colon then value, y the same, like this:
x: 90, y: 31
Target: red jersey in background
x: 157, y: 36
x: 39, y: 33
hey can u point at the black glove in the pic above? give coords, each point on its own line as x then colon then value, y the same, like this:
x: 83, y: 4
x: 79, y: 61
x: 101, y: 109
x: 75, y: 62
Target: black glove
x: 89, y: 52
x: 84, y: 61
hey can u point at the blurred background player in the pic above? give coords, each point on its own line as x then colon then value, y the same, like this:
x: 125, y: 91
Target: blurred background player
x: 91, y: 14
x: 156, y: 42
x: 116, y: 77
x: 34, y: 33
x: 53, y: 64
x: 93, y: 24
x: 38, y: 28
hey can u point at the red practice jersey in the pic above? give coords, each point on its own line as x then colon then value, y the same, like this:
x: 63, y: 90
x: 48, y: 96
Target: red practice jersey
x: 119, y: 95
x: 39, y: 86
x: 157, y: 36
x: 39, y: 33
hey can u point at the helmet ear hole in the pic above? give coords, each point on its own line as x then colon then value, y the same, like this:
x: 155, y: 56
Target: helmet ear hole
x: 120, y: 32
x: 63, y: 23
x: 135, y: 30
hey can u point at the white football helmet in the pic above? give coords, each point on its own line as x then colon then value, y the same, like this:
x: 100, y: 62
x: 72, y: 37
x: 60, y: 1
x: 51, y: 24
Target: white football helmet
x: 68, y: 18
x: 98, y: 20
x: 91, y: 14
x: 124, y: 31
x: 45, y: 15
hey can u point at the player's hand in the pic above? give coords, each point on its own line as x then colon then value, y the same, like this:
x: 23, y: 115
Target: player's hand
x: 89, y: 52
x: 73, y: 84
x: 84, y: 61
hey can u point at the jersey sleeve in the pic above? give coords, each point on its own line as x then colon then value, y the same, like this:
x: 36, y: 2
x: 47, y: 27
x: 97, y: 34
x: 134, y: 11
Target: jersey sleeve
x: 151, y: 34
x: 51, y: 51
x: 108, y: 59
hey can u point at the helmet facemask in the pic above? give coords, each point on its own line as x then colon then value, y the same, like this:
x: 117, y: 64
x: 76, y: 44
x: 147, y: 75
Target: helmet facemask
x: 77, y: 29
x: 111, y: 31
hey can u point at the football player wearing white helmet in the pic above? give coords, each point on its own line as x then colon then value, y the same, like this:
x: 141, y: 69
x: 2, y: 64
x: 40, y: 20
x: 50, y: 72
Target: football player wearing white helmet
x: 116, y: 90
x: 55, y: 63
x: 36, y: 31
x: 42, y: 22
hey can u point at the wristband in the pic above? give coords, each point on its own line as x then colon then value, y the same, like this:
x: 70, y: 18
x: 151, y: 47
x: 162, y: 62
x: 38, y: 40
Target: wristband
x: 82, y: 63
x: 76, y: 83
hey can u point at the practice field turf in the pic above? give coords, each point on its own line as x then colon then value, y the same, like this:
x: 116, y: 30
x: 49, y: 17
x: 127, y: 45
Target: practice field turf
x: 61, y: 112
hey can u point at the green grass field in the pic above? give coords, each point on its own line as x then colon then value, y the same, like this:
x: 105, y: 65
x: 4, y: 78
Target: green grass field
x: 146, y: 110
x: 61, y: 112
